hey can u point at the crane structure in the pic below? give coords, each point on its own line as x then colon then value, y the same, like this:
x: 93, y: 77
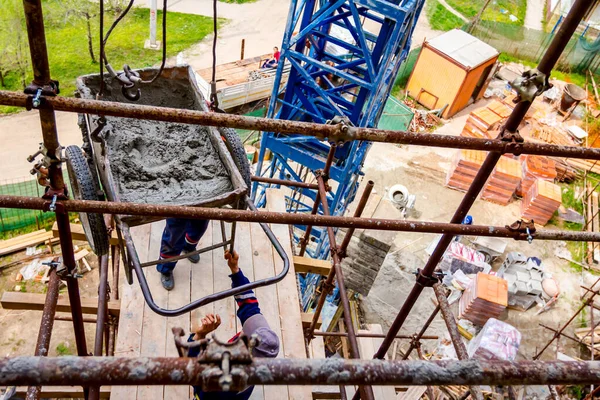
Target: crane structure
x: 344, y: 56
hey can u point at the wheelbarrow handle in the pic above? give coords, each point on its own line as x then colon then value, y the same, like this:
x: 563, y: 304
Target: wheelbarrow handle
x: 134, y: 259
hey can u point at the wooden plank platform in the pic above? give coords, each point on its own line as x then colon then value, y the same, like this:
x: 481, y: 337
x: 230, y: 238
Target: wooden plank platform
x: 142, y: 332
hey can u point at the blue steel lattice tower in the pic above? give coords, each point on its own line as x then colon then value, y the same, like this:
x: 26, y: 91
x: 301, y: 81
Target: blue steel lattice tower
x: 343, y: 57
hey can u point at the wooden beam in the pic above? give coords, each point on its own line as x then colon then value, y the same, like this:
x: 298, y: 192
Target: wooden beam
x: 311, y: 265
x: 34, y: 301
x: 22, y: 242
x: 78, y: 234
x: 307, y: 319
x: 62, y: 392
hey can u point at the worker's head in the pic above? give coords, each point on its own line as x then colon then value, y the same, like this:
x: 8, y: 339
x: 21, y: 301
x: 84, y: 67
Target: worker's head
x: 275, y: 49
x: 268, y: 342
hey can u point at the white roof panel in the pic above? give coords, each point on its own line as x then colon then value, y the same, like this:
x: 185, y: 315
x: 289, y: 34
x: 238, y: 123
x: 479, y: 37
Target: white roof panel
x: 463, y: 48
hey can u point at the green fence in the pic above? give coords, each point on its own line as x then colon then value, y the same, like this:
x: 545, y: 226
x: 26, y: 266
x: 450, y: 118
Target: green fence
x: 12, y: 218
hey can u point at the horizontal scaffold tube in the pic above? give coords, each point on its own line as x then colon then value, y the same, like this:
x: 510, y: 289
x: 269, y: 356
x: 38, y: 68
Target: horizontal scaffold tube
x: 87, y: 371
x: 335, y: 133
x: 223, y: 214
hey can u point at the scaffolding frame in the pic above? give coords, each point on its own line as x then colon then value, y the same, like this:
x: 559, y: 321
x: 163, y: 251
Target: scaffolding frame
x: 93, y: 371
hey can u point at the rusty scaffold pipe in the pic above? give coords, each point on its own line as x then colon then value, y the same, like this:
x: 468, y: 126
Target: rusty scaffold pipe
x: 334, y: 133
x: 222, y: 214
x: 87, y: 371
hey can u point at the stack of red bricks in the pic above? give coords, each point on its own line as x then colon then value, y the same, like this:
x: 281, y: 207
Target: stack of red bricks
x: 541, y: 201
x: 465, y: 165
x: 485, y: 298
x: 503, y: 181
x: 535, y: 167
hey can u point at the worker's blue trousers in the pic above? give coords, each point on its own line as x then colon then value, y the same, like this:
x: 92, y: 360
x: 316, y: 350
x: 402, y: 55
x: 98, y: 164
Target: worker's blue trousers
x: 179, y: 234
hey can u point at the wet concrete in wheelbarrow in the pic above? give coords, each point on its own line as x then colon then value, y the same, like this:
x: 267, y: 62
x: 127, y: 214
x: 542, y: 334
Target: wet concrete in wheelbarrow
x: 162, y: 162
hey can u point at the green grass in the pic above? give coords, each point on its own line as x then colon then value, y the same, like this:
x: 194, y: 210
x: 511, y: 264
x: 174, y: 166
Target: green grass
x: 440, y: 18
x: 68, y: 47
x: 63, y: 349
x: 470, y: 8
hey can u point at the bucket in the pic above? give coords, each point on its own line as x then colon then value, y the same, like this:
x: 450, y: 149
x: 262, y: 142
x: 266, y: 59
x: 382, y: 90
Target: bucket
x: 251, y: 153
x: 571, y: 95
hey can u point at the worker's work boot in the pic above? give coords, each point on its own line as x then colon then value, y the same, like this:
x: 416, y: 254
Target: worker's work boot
x: 195, y: 258
x: 167, y: 280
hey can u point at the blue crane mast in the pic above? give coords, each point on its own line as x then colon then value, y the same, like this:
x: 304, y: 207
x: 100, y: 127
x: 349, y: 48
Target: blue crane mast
x: 343, y: 57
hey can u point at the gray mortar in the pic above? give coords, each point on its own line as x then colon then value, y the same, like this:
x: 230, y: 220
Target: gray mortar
x: 161, y: 162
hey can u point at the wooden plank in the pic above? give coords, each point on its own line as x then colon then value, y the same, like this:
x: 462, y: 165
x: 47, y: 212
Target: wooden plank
x: 225, y: 308
x: 264, y: 267
x: 35, y: 301
x: 78, y: 234
x: 413, y: 393
x: 154, y: 326
x: 287, y: 289
x: 129, y: 334
x: 596, y: 223
x: 386, y: 392
x: 178, y: 297
x: 243, y: 246
x: 19, y: 239
x: 202, y: 279
x: 30, y: 241
x: 311, y: 265
x: 307, y: 320
x: 62, y: 392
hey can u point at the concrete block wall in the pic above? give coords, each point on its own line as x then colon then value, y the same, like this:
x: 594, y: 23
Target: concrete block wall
x: 365, y: 255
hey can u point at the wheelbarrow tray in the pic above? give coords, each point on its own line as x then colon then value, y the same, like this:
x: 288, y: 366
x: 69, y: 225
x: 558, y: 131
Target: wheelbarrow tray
x: 159, y: 162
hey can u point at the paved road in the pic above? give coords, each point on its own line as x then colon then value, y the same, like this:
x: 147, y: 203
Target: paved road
x: 453, y: 11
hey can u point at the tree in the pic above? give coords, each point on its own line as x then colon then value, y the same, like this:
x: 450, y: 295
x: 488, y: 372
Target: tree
x: 13, y: 42
x: 83, y: 9
x: 477, y: 18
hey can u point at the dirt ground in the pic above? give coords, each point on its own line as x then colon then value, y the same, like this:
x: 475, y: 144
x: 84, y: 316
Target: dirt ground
x: 423, y: 171
x: 19, y: 329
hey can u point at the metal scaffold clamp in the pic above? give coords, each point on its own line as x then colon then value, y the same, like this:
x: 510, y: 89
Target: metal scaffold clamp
x: 525, y: 227
x: 530, y: 85
x: 223, y: 375
x: 37, y: 92
x: 345, y: 132
x: 428, y: 280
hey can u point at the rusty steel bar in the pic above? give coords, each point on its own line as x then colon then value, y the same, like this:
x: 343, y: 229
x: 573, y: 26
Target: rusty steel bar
x: 334, y: 133
x: 370, y: 335
x: 46, y: 325
x: 222, y: 214
x: 68, y: 318
x: 563, y: 334
x: 337, y: 273
x: 557, y: 334
x: 94, y: 393
x: 510, y: 132
x: 135, y: 371
x: 274, y: 181
x: 450, y: 321
x: 305, y: 239
x: 357, y: 213
x: 420, y: 335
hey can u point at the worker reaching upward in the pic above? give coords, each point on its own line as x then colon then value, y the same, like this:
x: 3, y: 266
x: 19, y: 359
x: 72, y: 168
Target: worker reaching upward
x: 253, y: 322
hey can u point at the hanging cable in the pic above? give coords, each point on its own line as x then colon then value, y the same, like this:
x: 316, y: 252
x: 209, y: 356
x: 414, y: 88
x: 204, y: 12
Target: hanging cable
x: 101, y: 91
x: 131, y: 80
x: 214, y: 100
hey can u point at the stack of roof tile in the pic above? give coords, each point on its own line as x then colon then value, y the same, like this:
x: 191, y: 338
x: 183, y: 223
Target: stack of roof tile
x: 503, y: 181
x: 541, y: 201
x: 464, y: 167
x: 485, y: 298
x: 483, y: 120
x: 536, y: 167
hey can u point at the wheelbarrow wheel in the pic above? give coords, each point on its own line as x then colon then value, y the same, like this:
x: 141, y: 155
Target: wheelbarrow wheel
x: 236, y: 149
x: 83, y: 187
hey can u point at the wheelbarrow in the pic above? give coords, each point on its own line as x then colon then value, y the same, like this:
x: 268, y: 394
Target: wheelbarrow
x: 155, y: 162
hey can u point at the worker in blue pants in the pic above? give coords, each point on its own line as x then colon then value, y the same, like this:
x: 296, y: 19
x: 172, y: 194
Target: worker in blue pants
x: 180, y: 235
